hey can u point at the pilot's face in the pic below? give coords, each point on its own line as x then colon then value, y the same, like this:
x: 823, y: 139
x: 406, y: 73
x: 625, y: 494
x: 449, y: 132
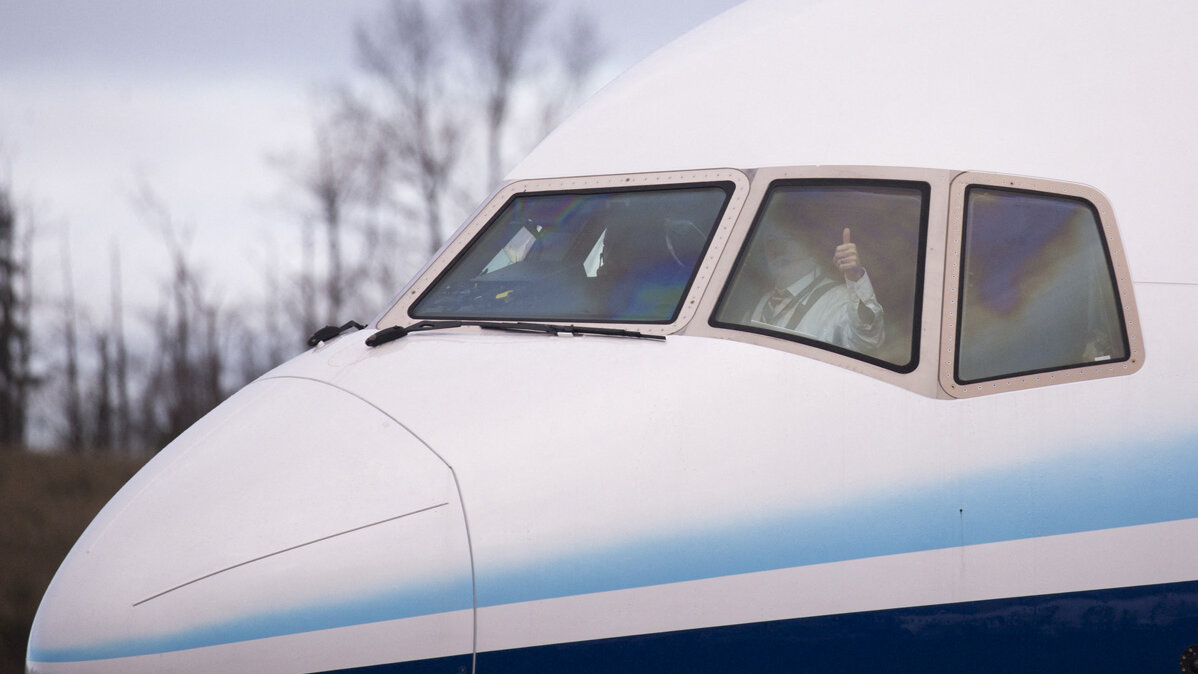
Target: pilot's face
x: 787, y: 258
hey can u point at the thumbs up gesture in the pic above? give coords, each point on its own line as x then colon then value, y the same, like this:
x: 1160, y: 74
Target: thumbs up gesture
x: 846, y: 260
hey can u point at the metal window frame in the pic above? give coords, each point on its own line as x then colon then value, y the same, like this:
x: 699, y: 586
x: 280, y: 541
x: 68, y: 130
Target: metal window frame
x: 1116, y: 260
x: 922, y: 379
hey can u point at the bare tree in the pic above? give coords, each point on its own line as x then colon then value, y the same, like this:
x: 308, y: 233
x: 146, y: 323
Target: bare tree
x: 278, y: 336
x: 187, y: 368
x: 16, y: 378
x: 329, y: 188
x: 106, y: 413
x: 498, y: 39
x: 340, y: 181
x: 100, y: 400
x: 122, y: 427
x: 74, y: 435
x: 418, y: 132
x: 336, y: 181
x: 12, y: 411
x: 576, y: 51
x: 308, y: 311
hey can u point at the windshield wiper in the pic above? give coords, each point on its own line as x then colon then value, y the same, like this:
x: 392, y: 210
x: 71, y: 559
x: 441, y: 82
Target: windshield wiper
x: 554, y: 328
x: 329, y: 332
x: 396, y: 331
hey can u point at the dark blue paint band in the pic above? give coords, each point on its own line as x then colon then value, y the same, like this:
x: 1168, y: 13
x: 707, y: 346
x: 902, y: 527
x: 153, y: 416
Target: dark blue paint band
x: 1119, y: 631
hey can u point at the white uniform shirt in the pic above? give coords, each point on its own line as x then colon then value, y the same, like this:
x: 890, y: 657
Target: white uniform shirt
x: 836, y: 317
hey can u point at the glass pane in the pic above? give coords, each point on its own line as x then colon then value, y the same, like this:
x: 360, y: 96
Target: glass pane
x: 837, y: 264
x: 620, y: 256
x: 1036, y: 288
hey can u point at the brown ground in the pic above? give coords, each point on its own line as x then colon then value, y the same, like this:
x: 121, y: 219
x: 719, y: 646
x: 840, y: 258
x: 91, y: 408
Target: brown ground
x: 46, y: 501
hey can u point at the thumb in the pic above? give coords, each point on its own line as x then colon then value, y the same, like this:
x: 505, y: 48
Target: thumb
x: 846, y: 235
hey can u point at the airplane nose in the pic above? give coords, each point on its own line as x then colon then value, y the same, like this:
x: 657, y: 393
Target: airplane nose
x: 292, y: 517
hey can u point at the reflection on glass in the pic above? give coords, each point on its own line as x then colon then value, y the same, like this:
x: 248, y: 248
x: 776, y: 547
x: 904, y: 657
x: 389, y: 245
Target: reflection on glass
x: 618, y: 256
x: 1036, y: 290
x: 834, y: 263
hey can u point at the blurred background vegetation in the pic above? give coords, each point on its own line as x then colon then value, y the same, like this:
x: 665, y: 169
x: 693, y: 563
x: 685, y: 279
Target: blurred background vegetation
x: 445, y: 96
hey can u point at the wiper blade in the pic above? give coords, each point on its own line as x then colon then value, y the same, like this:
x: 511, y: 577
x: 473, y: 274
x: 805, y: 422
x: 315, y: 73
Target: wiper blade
x: 396, y: 331
x: 553, y: 328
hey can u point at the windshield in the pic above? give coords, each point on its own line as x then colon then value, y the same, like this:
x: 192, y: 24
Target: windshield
x: 624, y: 256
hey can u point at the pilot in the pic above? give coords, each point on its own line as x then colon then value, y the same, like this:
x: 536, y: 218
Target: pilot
x: 809, y: 299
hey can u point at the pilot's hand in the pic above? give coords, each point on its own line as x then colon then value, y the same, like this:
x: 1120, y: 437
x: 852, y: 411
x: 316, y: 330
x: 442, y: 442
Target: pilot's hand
x: 846, y: 260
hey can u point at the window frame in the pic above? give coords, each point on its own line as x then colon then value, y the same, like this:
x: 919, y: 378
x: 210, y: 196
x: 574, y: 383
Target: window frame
x: 920, y: 264
x: 459, y: 243
x: 1116, y: 265
x: 923, y: 379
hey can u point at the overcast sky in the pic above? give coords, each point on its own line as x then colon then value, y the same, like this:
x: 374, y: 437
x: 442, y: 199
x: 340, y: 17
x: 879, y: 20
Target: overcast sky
x: 192, y: 98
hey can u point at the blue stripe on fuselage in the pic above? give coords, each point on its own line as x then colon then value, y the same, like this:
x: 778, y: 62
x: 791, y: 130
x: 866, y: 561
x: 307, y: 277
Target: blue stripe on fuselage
x: 1100, y: 489
x: 377, y: 606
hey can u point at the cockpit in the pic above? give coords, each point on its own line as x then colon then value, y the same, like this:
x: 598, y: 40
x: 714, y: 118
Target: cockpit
x: 948, y: 283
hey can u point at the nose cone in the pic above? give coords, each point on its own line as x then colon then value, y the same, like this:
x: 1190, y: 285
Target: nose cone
x: 293, y: 517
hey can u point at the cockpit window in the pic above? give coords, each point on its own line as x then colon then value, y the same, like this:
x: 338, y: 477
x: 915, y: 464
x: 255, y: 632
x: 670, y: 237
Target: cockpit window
x: 625, y: 256
x: 1037, y: 292
x: 835, y: 263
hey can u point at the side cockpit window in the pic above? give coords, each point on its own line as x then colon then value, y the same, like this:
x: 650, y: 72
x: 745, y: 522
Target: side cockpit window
x: 1037, y: 290
x: 625, y: 256
x: 835, y: 264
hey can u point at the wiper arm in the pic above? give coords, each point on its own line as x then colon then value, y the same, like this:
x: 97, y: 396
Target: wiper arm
x: 331, y: 332
x: 396, y: 331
